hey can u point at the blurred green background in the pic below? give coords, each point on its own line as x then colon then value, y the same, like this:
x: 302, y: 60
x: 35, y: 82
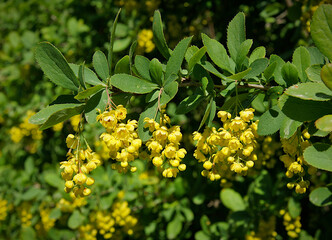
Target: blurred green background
x: 142, y: 205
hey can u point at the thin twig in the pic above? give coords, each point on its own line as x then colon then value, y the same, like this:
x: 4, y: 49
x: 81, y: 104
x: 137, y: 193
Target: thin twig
x: 197, y: 84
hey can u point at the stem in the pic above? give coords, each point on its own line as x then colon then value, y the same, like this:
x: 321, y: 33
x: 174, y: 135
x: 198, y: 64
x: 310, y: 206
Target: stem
x: 248, y: 85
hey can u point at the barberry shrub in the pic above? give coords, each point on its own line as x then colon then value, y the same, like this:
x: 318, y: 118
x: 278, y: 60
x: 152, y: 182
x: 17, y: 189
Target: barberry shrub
x: 292, y: 100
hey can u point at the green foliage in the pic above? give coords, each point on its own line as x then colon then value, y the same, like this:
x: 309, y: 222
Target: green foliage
x: 319, y: 155
x: 55, y: 66
x: 321, y: 31
x: 192, y: 93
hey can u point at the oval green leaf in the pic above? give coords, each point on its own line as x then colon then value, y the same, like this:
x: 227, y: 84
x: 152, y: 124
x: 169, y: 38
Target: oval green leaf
x: 55, y: 66
x: 128, y: 83
x: 319, y: 155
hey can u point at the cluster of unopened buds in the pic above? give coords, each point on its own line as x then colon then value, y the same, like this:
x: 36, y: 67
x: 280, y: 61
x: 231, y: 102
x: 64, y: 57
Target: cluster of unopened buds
x: 121, y: 138
x: 231, y: 147
x: 294, y: 161
x: 164, y: 146
x: 80, y: 162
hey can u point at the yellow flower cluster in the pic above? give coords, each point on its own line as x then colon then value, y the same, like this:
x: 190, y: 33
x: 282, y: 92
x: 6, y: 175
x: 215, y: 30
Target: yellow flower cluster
x: 102, y: 150
x: 294, y: 162
x: 3, y: 209
x: 69, y: 206
x: 144, y: 40
x: 24, y: 211
x: 164, y: 146
x: 265, y: 231
x: 26, y: 129
x: 231, y: 147
x: 87, y: 232
x: 267, y: 149
x: 78, y: 165
x: 121, y: 138
x: 46, y: 222
x: 292, y: 226
x: 107, y: 223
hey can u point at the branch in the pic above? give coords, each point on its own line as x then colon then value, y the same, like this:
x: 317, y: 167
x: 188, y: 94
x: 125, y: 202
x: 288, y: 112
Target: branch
x: 247, y: 85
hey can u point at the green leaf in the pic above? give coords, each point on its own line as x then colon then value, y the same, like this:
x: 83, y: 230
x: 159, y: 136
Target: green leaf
x: 269, y: 71
x: 169, y: 93
x: 81, y: 76
x: 316, y: 57
x: 142, y: 65
x: 271, y: 121
x: 156, y: 71
x: 100, y: 65
x: 218, y: 53
x: 243, y: 52
x: 75, y: 220
x: 303, y: 110
x: 88, y: 92
x: 53, y: 179
x: 212, y: 113
x: 236, y: 34
x: 310, y: 91
x: 301, y: 60
x: 122, y: 44
x: 44, y: 114
x: 55, y: 213
x: 321, y: 29
x: 128, y: 83
x: 131, y: 54
x: 190, y: 52
x: 258, y: 53
x: 205, y: 222
x: 111, y: 44
x: 123, y: 65
x: 206, y: 114
x: 62, y: 115
x: 97, y: 101
x: 89, y: 76
x: 210, y: 68
x: 232, y: 200
x: 289, y: 73
x: 150, y: 112
x: 324, y: 123
x: 294, y: 208
x: 289, y: 127
x: 200, y: 235
x: 55, y: 66
x: 196, y: 58
x: 321, y: 196
x: 174, y: 228
x: 170, y: 79
x: 326, y: 75
x: 188, y: 213
x: 313, y: 73
x: 158, y: 35
x: 277, y: 72
x: 189, y: 103
x: 313, y: 131
x: 319, y: 155
x: 27, y: 233
x: 30, y: 194
x: 174, y: 63
x: 257, y: 67
x: 240, y: 75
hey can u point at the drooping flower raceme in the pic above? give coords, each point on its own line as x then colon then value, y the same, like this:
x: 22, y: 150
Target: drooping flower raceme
x: 230, y: 148
x: 121, y: 138
x: 164, y: 146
